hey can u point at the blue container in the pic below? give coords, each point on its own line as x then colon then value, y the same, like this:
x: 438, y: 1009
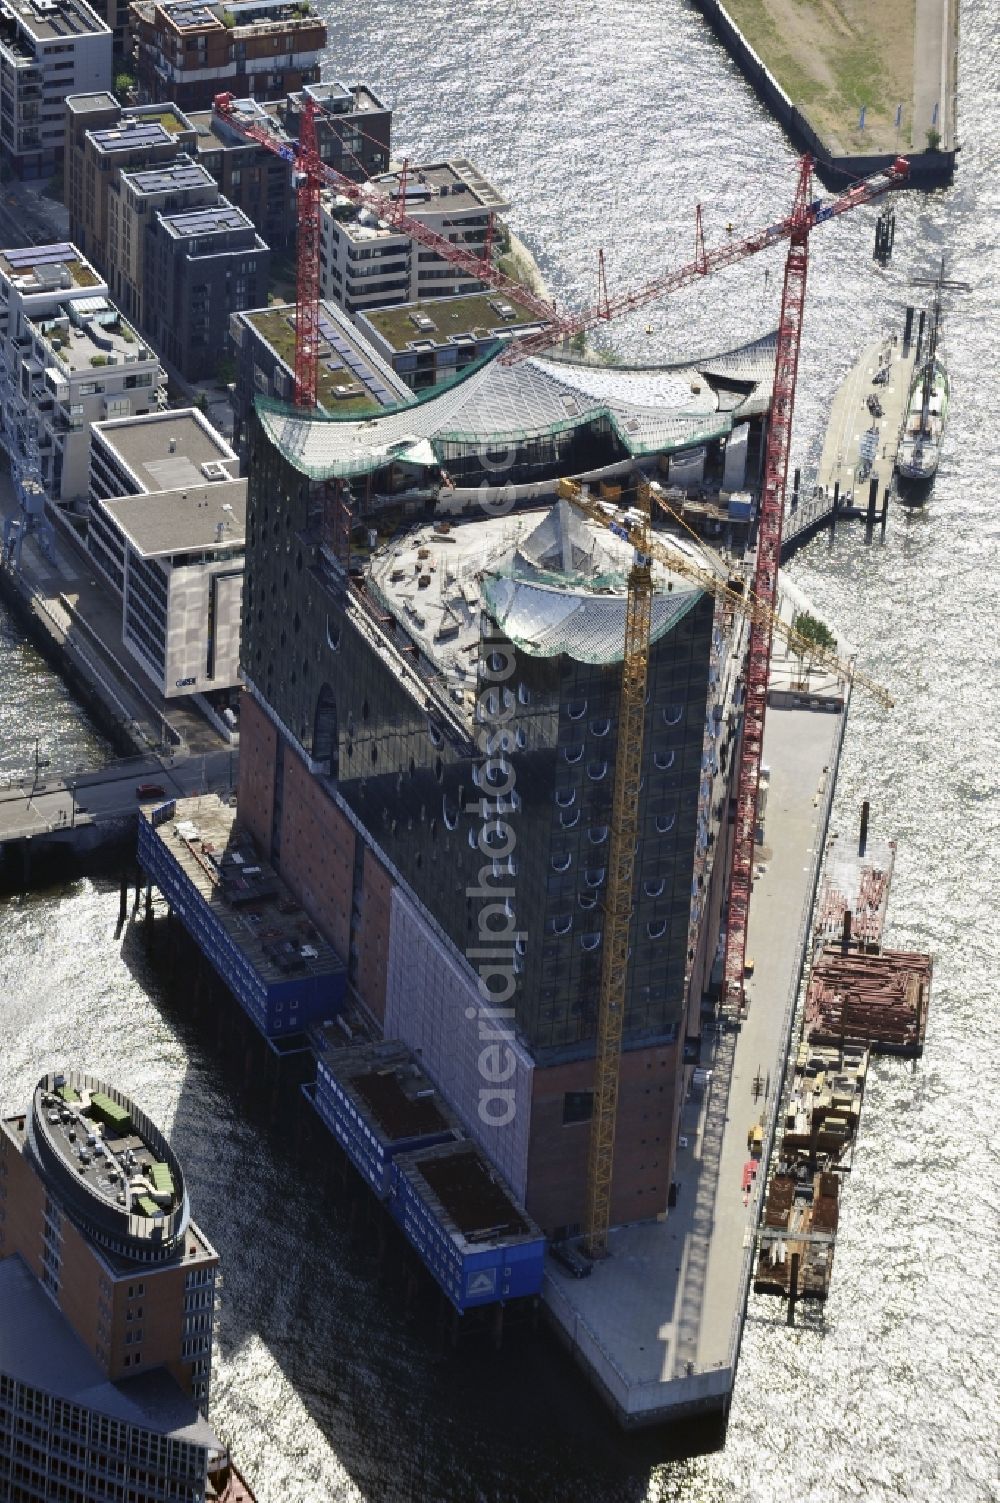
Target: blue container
x: 368, y: 1146
x: 277, y: 1007
x: 470, y: 1273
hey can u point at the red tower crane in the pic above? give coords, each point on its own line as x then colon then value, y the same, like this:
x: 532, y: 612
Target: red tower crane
x: 312, y: 175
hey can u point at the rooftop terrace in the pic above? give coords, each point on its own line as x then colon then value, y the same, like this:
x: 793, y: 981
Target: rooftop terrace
x: 435, y: 321
x: 47, y: 268
x: 351, y: 377
x: 170, y: 177
x: 196, y: 223
x: 88, y: 332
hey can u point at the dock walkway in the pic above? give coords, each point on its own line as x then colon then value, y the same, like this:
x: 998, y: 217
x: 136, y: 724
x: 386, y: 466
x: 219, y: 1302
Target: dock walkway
x: 660, y: 1322
x: 859, y: 445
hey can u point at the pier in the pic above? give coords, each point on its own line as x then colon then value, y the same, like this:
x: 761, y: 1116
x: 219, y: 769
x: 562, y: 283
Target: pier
x: 855, y: 473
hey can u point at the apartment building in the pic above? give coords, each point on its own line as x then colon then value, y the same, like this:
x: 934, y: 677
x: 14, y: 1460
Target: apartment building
x: 138, y: 197
x: 367, y: 262
x: 188, y: 51
x: 429, y: 342
x: 48, y: 49
x: 167, y: 530
x: 200, y: 266
x: 68, y: 359
x: 353, y: 133
x: 102, y: 141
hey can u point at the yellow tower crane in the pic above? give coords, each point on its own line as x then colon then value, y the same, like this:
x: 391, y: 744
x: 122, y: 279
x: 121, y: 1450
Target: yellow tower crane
x: 632, y: 525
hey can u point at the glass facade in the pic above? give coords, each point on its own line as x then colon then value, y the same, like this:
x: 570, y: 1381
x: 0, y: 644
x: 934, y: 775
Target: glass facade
x: 501, y: 826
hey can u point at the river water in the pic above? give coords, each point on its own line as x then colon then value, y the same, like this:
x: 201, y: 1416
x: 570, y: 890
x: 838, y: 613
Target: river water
x: 605, y: 125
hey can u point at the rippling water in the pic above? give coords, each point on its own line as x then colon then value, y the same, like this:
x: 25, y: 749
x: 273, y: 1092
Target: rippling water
x: 604, y: 125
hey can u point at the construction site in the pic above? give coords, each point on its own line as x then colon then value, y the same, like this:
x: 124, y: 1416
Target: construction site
x: 861, y: 1000
x: 509, y: 649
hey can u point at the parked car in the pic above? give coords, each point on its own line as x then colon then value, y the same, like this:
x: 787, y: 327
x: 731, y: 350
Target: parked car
x: 150, y: 791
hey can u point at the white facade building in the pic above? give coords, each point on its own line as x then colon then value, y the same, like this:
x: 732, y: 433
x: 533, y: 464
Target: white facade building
x: 366, y: 263
x: 167, y: 530
x: 49, y: 49
x: 68, y: 359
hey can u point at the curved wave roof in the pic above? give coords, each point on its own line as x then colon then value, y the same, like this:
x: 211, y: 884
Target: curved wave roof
x: 653, y: 409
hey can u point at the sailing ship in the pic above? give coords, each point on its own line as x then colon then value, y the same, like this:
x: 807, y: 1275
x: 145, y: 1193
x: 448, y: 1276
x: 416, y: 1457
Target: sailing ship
x: 926, y: 415
x: 927, y: 406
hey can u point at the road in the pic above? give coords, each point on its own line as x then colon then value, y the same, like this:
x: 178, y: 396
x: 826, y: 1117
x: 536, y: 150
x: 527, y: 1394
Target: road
x: 55, y: 802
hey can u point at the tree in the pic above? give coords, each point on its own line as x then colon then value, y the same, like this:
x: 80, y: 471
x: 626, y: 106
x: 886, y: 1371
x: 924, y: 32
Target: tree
x: 815, y: 637
x: 124, y: 86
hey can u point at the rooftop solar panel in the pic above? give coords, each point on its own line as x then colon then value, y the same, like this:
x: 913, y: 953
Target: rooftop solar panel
x: 41, y: 255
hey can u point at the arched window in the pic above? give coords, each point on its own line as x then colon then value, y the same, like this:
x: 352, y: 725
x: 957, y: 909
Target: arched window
x: 665, y: 822
x: 576, y: 709
x: 664, y: 759
x: 562, y: 862
x: 561, y: 924
x: 590, y: 941
x: 449, y: 813
x: 565, y: 797
x: 596, y: 771
x: 569, y: 818
x: 672, y: 713
x: 654, y: 889
x: 594, y: 876
x: 600, y: 727
x: 656, y: 928
x: 598, y: 834
x: 573, y: 753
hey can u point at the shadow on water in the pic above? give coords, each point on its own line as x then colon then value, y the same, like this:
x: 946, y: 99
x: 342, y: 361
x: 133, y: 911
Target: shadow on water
x: 354, y: 1328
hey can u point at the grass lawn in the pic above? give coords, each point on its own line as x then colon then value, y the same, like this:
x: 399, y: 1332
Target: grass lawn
x: 833, y: 56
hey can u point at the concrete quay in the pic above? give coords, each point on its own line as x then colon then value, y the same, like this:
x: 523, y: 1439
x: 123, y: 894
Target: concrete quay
x: 930, y: 87
x: 658, y: 1325
x: 76, y: 622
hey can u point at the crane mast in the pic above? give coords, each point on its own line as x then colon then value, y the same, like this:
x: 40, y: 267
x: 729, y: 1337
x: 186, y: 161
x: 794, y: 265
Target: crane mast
x: 621, y: 882
x: 765, y: 588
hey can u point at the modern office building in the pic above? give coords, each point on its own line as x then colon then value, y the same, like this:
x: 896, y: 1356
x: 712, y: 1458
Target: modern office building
x: 353, y: 380
x: 68, y: 359
x: 48, y: 49
x: 97, y: 1207
x: 166, y: 527
x: 429, y: 342
x: 108, y: 1293
x: 366, y: 262
x: 188, y: 51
